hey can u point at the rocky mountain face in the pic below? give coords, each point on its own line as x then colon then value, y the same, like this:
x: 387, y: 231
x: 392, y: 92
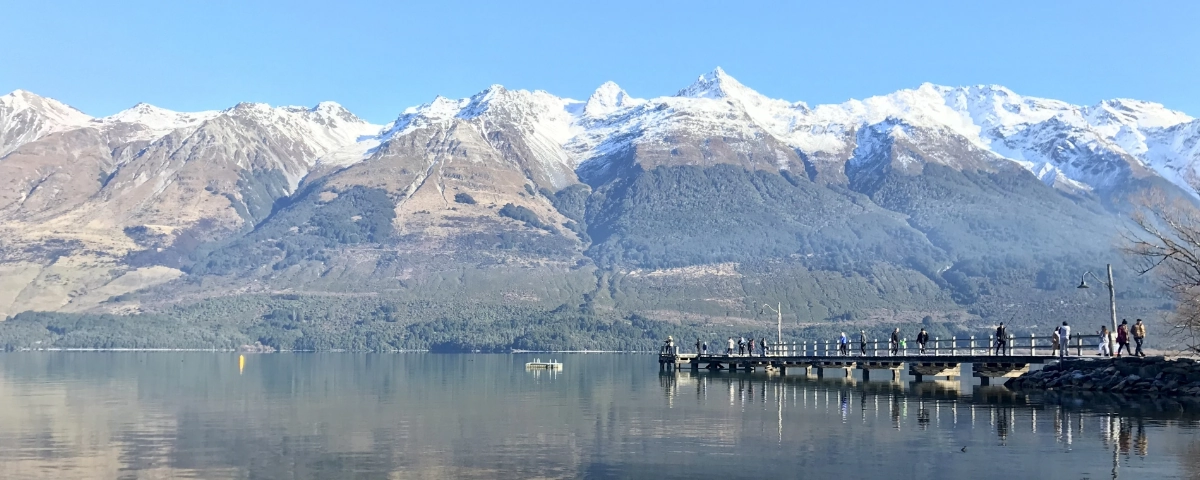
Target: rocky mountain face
x: 938, y: 201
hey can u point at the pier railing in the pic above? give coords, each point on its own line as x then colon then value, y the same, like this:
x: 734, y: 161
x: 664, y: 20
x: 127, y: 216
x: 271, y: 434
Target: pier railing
x: 1076, y: 345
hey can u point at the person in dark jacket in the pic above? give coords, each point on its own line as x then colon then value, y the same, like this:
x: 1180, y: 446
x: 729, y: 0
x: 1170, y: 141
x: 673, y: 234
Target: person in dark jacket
x: 895, y: 341
x: 1001, y: 339
x: 922, y: 339
x: 1123, y: 337
x: 862, y: 342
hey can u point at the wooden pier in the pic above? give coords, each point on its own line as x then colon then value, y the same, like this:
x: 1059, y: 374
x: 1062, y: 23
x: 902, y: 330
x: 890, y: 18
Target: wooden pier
x: 940, y: 358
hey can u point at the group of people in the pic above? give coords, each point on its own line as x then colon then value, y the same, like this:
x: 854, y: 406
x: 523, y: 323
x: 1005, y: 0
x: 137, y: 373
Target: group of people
x: 741, y: 345
x: 1124, y: 333
x: 1060, y: 340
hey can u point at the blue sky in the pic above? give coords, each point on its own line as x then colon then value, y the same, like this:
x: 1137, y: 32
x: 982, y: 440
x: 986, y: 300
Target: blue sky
x: 377, y: 57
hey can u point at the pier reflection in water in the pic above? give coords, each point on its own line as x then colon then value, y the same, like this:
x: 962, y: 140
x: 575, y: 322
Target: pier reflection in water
x: 1118, y: 419
x: 1119, y: 423
x: 164, y: 415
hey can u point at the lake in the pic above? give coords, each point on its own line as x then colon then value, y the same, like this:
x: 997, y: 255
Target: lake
x: 146, y: 415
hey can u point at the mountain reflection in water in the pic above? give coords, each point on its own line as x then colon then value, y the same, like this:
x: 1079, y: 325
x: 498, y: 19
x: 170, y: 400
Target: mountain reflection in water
x: 161, y: 415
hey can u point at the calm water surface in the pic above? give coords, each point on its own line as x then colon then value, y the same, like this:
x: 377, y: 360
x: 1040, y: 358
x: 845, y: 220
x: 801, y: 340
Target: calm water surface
x: 194, y: 415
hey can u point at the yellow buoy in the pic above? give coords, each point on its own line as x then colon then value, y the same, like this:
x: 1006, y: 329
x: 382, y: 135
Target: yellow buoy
x: 241, y: 363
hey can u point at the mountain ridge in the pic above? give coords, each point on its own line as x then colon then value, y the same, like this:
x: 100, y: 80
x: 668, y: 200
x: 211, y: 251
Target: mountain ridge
x: 994, y: 117
x: 946, y: 201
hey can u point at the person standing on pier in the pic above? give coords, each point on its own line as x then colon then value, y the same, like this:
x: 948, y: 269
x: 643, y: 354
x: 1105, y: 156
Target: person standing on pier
x: 741, y: 345
x: 862, y: 342
x: 844, y: 345
x: 1123, y: 337
x: 895, y: 341
x: 1064, y: 336
x: 763, y: 344
x: 1054, y: 343
x: 704, y: 348
x: 750, y: 347
x: 1001, y: 339
x: 1104, y: 339
x: 1139, y: 334
x: 922, y: 339
x: 729, y: 351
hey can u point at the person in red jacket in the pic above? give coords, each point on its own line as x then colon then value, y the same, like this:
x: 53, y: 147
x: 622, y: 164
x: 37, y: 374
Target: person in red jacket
x: 1123, y: 337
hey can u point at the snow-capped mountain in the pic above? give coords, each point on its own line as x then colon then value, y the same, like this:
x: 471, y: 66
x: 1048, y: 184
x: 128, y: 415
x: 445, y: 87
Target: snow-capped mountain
x: 178, y: 180
x: 25, y: 117
x: 1069, y: 146
x: 1078, y: 147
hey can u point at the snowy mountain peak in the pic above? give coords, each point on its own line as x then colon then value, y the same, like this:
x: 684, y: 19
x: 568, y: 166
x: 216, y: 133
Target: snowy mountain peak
x: 715, y: 84
x: 1140, y: 113
x: 156, y: 117
x: 53, y: 110
x: 607, y: 99
x: 26, y: 116
x: 151, y: 122
x: 333, y: 113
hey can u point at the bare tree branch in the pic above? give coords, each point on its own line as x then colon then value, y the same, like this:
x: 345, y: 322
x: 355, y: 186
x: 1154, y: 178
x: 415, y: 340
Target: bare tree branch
x: 1165, y: 239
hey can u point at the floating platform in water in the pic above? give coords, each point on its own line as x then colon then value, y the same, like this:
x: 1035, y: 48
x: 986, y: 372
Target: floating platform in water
x: 549, y: 364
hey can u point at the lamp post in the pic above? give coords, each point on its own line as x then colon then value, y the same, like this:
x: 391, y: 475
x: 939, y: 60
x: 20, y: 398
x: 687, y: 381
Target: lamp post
x: 1112, y: 301
x: 778, y: 308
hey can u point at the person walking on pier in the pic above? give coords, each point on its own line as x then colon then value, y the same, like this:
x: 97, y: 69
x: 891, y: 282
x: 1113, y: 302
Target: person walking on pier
x: 1139, y: 334
x: 704, y: 348
x: 741, y: 345
x: 1064, y: 337
x: 1104, y: 338
x: 750, y: 347
x: 729, y: 351
x: 894, y: 343
x: 862, y: 342
x: 1123, y: 337
x: 1001, y: 339
x: 922, y: 339
x: 697, y: 346
x: 844, y: 345
x: 762, y: 343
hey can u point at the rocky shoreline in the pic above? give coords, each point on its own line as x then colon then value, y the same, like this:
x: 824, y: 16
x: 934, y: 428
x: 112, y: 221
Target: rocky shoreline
x: 1148, y: 375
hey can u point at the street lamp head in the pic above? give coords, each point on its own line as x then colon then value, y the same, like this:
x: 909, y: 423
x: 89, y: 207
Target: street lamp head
x: 1083, y: 284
